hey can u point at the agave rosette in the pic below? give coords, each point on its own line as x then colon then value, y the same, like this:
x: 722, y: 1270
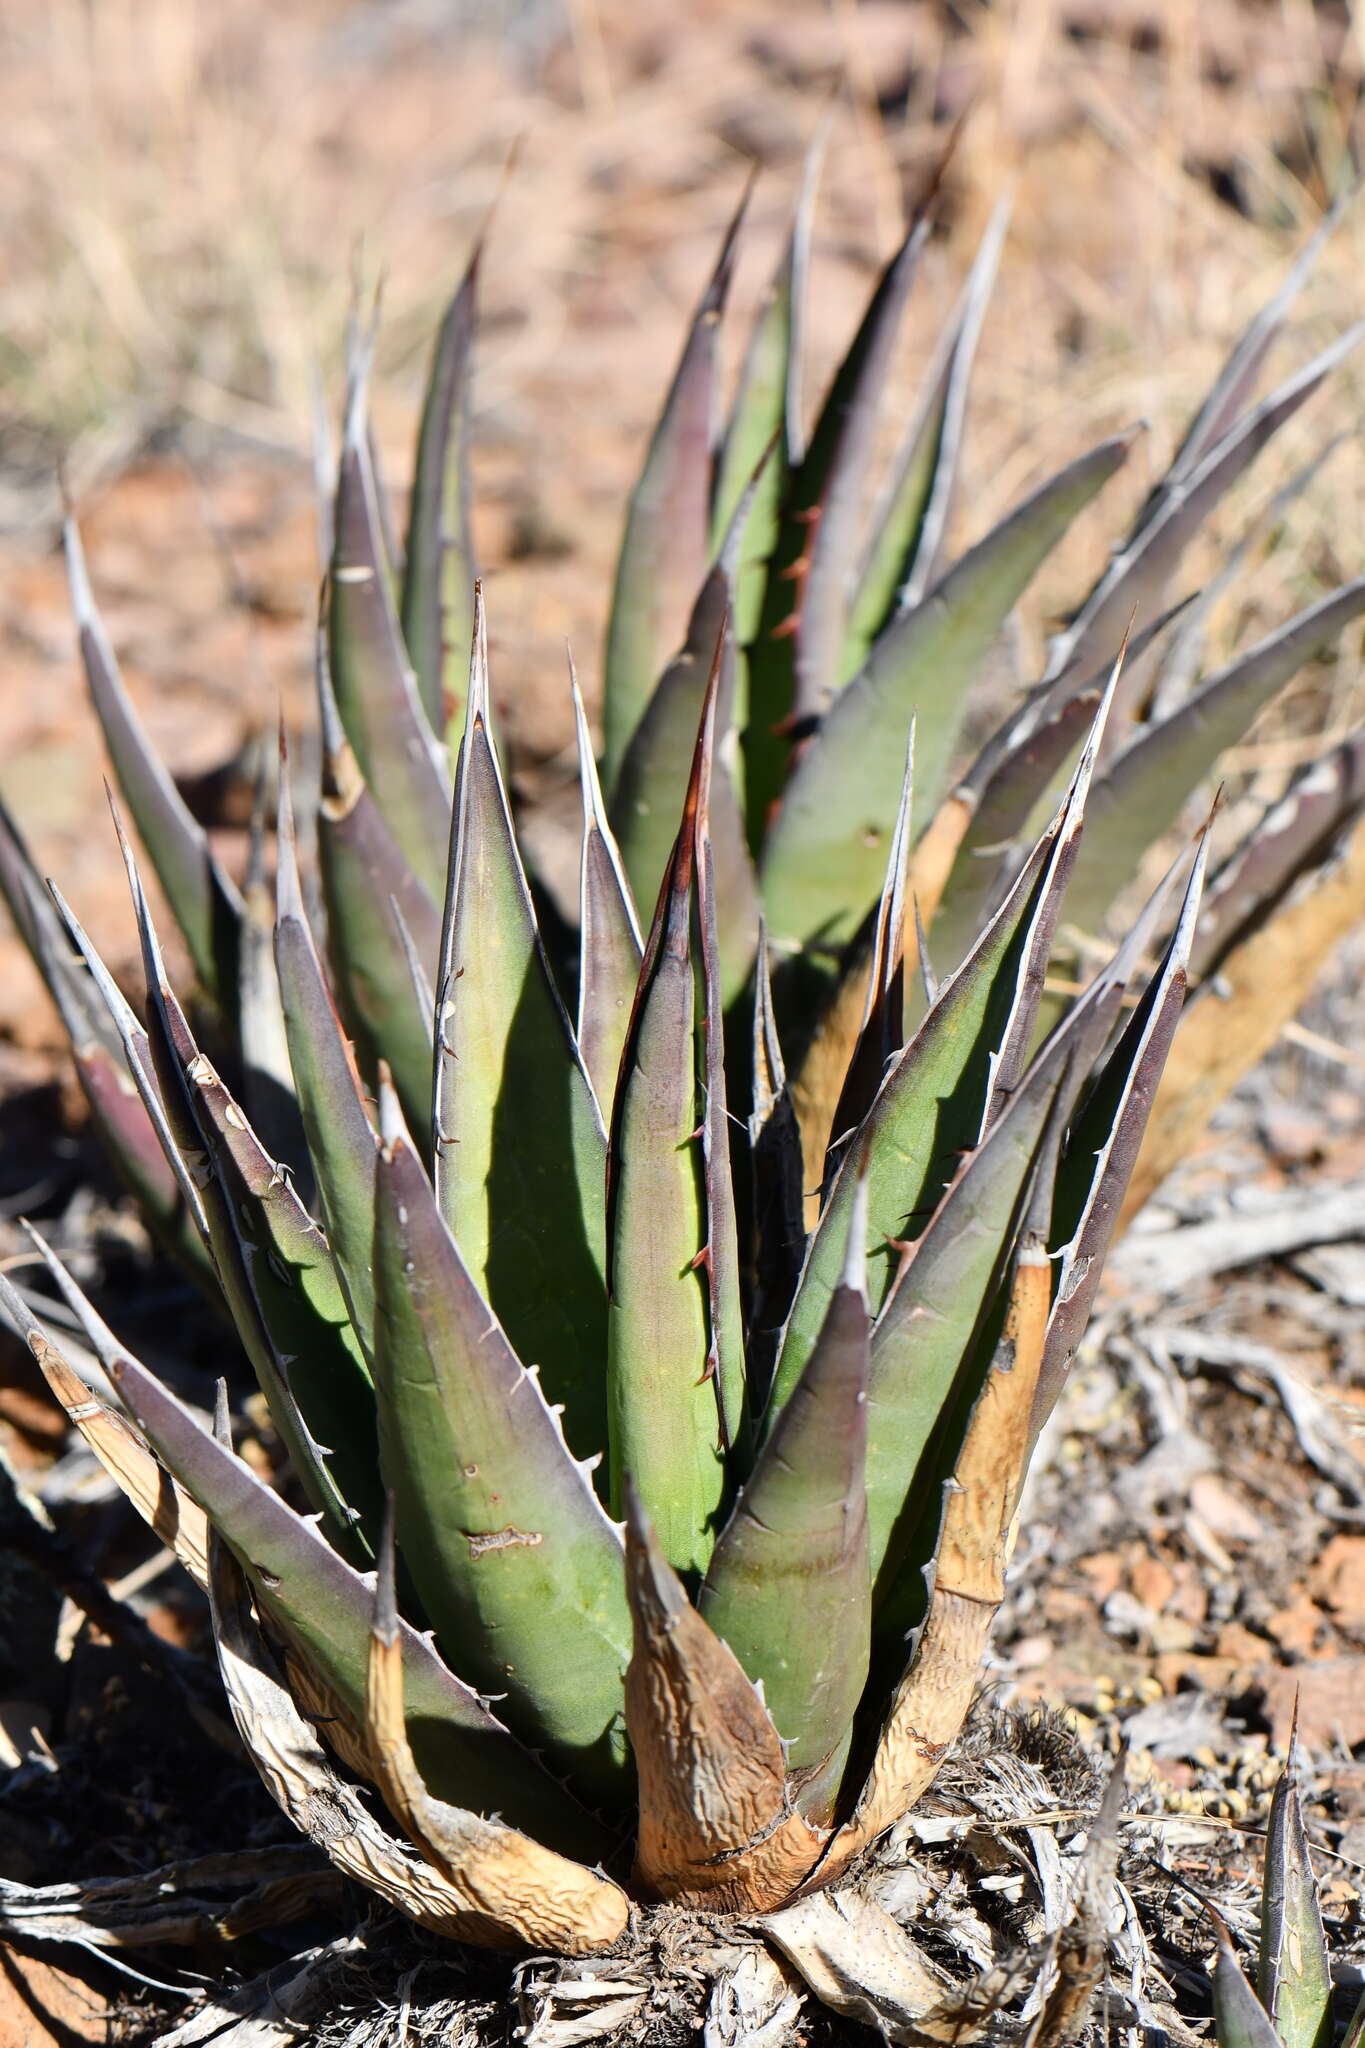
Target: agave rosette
x: 657, y: 1336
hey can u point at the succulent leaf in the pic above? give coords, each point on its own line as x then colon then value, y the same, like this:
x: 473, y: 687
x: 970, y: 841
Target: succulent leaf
x: 271, y: 1260
x: 1132, y: 588
x: 788, y: 1586
x: 715, y: 1822
x: 267, y: 1077
x: 341, y: 1139
x: 321, y: 1604
x: 1104, y: 1143
x: 510, y: 1889
x: 653, y: 778
x: 665, y: 547
x: 830, y: 483
x: 1236, y: 381
x: 124, y: 1127
x: 176, y: 1519
x: 1293, y: 836
x: 763, y: 438
x: 725, y: 1360
x: 610, y: 946
x: 1010, y: 779
x: 1239, y: 2018
x: 935, y: 1098
x: 940, y: 1681
x: 514, y: 1559
x: 910, y: 528
x: 665, y: 1421
x: 437, y: 602
x: 881, y: 1032
x: 1294, y: 1977
x: 520, y: 1152
x: 778, y: 1235
x: 295, y: 1769
x: 365, y: 878
x: 823, y: 861
x: 794, y: 659
x: 376, y: 691
x: 206, y: 904
x: 1142, y: 793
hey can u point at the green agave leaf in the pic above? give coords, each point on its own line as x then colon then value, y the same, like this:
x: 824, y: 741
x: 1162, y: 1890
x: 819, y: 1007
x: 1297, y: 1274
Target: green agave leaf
x: 665, y: 545
x: 1239, y: 2018
x: 1010, y: 778
x: 515, y: 1561
x: 125, y: 1130
x: 767, y: 404
x: 1183, y: 657
x: 778, y: 1238
x: 720, y: 1263
x: 1237, y: 379
x: 520, y: 1151
x: 934, y: 1342
x: 341, y: 1139
x: 823, y: 861
x: 788, y: 1586
x: 289, y: 1267
x: 882, y: 1032
x: 137, y: 1055
x: 275, y: 1314
x: 1103, y: 1146
x: 938, y: 1095
x: 1296, y: 834
x: 654, y: 775
x: 610, y: 946
x: 205, y: 903
x: 829, y: 487
x: 1131, y: 588
x: 763, y: 438
x: 376, y: 691
x: 1146, y: 786
x: 911, y: 525
x: 928, y: 1353
x: 1294, y: 1977
x: 267, y: 1079
x: 360, y: 359
x: 666, y: 1431
x: 323, y: 1606
x: 794, y: 661
x: 438, y: 569
x: 365, y: 879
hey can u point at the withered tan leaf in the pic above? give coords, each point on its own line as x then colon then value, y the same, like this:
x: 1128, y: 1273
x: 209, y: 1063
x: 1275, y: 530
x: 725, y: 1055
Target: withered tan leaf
x: 176, y: 1519
x: 754, y: 2003
x: 715, y: 1821
x: 933, y: 1697
x: 1262, y: 985
x: 859, y: 1962
x: 299, y: 1776
x: 511, y: 1888
x: 1082, y: 1945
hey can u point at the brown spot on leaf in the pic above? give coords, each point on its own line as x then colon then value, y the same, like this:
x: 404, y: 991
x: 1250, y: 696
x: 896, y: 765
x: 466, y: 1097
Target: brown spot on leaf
x: 503, y: 1539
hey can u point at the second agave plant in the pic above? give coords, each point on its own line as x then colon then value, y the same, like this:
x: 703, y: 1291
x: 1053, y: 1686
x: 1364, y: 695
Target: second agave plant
x: 656, y: 1330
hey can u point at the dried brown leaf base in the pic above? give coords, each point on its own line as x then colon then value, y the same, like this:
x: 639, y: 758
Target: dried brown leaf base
x: 985, y: 1916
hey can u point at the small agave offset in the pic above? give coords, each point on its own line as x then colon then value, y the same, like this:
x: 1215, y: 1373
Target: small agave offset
x: 656, y: 1337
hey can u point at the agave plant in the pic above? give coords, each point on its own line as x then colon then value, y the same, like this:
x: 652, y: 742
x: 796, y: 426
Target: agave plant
x: 655, y: 1338
x: 1291, y: 2006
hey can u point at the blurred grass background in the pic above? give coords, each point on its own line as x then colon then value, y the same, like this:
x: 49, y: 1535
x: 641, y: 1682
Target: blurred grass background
x: 187, y: 192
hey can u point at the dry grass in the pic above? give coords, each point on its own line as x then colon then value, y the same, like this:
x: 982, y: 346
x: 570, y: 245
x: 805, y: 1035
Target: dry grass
x: 186, y: 189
